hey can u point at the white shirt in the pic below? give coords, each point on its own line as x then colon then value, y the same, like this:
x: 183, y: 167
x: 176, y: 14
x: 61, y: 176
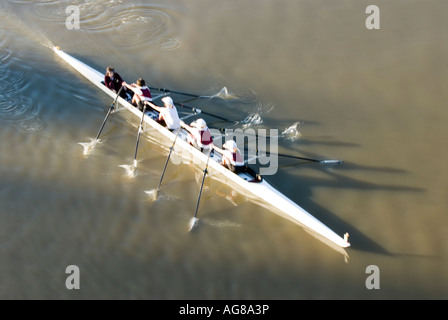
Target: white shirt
x: 169, y: 114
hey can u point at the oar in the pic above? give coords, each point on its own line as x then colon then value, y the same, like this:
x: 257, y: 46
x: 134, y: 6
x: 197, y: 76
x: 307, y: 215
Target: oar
x: 302, y: 158
x: 112, y: 106
x: 207, y: 113
x: 140, y: 130
x: 308, y: 159
x: 194, y: 220
x: 166, y: 163
x: 175, y: 92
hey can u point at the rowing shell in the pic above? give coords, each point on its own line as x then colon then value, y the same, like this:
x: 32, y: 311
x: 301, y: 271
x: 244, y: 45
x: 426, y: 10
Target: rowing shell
x: 251, y: 184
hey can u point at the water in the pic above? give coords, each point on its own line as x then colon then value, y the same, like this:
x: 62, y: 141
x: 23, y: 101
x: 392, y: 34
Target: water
x: 333, y: 89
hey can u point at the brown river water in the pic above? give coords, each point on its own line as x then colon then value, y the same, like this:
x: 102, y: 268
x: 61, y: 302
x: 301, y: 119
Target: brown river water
x: 333, y: 89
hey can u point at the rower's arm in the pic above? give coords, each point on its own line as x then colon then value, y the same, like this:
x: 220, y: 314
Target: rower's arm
x: 185, y: 126
x: 124, y: 83
x: 221, y: 151
x: 157, y: 108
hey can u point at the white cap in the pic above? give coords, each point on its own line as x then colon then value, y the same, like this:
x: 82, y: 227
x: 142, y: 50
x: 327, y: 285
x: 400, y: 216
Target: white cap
x: 168, y: 101
x: 201, y: 124
x: 230, y: 145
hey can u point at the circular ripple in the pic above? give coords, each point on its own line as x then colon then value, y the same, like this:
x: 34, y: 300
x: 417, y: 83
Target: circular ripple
x: 5, y: 55
x: 46, y: 10
x: 168, y: 44
x: 119, y: 21
x: 22, y: 111
x: 19, y: 108
x: 8, y: 82
x: 131, y: 26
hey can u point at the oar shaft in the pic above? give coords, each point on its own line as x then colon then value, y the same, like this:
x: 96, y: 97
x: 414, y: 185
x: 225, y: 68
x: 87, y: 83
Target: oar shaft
x: 200, y: 193
x: 175, y: 92
x: 202, y: 185
x: 140, y: 129
x: 167, y: 159
x: 204, y: 112
x: 300, y: 158
x: 295, y: 157
x: 308, y: 159
x: 112, y: 106
x: 104, y: 123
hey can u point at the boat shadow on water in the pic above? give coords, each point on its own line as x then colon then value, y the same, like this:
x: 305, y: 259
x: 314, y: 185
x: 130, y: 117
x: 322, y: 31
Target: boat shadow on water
x: 359, y: 240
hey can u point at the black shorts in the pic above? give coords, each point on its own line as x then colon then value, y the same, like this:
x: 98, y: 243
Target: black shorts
x: 235, y: 169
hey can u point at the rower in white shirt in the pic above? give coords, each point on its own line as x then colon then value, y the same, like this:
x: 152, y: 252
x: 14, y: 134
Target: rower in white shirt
x: 167, y: 114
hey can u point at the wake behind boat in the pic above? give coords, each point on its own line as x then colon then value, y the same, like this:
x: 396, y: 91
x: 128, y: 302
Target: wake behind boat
x: 249, y: 182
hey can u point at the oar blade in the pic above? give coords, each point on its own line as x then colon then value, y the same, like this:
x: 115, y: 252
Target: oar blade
x: 193, y: 223
x: 330, y: 161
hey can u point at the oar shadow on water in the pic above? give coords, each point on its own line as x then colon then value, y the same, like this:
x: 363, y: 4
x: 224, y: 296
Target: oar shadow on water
x: 155, y: 195
x: 194, y: 224
x: 358, y: 240
x: 342, y: 166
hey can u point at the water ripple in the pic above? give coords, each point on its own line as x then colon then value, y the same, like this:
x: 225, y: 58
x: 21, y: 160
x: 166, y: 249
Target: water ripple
x: 123, y: 23
x: 22, y: 111
x: 131, y: 26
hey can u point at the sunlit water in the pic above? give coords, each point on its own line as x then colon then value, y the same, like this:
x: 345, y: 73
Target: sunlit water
x: 375, y: 99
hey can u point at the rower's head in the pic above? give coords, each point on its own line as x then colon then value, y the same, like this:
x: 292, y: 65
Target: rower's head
x: 230, y: 145
x: 110, y: 71
x: 201, y: 124
x: 168, y: 102
x: 140, y: 82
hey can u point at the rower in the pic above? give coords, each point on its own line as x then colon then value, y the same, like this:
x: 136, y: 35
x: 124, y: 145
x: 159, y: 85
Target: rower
x: 141, y: 93
x: 168, y: 114
x: 199, y: 135
x: 231, y: 157
x: 114, y: 82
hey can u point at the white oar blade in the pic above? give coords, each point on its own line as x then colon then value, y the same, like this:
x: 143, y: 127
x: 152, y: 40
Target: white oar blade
x: 193, y: 223
x: 330, y: 161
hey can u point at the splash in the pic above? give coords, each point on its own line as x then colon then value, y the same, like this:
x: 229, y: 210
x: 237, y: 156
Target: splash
x: 152, y: 194
x: 252, y: 119
x: 224, y: 94
x: 130, y: 170
x: 292, y: 133
x: 256, y: 118
x: 88, y: 146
